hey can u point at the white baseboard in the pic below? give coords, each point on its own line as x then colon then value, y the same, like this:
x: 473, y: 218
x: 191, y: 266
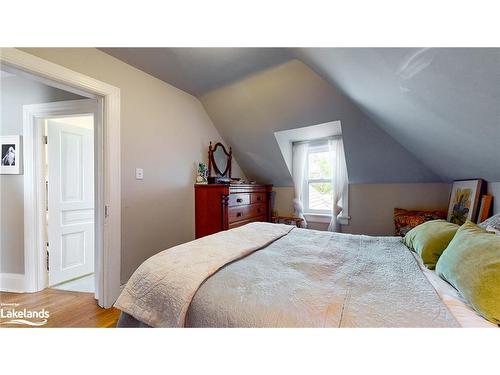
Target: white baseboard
x: 12, y: 282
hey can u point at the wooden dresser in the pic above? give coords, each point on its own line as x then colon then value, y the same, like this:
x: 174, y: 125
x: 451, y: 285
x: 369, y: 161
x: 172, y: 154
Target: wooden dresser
x: 220, y: 207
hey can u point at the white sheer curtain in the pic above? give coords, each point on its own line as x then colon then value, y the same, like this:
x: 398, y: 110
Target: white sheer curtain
x: 339, y: 180
x: 299, y: 160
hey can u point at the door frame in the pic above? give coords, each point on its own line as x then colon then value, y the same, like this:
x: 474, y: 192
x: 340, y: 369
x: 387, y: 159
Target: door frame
x: 107, y: 169
x: 35, y: 203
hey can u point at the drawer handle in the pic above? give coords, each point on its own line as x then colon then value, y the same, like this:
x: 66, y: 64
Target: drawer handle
x: 258, y: 210
x: 238, y: 214
x: 239, y: 200
x: 259, y: 198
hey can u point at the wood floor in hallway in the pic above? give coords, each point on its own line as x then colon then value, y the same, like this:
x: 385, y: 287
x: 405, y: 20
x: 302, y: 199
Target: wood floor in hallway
x: 66, y: 309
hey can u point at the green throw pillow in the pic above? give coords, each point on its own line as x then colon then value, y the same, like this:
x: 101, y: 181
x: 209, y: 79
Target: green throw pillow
x: 430, y: 239
x: 471, y: 263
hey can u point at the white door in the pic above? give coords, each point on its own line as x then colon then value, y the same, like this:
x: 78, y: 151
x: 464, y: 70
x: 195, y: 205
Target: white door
x: 71, y: 201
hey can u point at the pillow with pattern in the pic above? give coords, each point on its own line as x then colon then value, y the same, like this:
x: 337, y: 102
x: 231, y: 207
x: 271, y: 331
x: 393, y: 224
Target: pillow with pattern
x: 493, y: 221
x: 406, y: 220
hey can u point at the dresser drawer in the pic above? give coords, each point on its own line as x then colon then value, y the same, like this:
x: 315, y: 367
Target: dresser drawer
x: 237, y: 224
x: 258, y: 197
x: 238, y: 199
x: 238, y: 213
x: 220, y: 207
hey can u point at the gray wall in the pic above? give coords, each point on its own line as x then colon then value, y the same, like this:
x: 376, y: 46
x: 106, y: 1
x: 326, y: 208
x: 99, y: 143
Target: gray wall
x: 16, y: 92
x: 248, y: 112
x: 166, y: 132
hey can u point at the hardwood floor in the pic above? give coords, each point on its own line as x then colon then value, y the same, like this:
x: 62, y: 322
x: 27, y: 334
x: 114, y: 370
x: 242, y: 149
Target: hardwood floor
x: 66, y: 309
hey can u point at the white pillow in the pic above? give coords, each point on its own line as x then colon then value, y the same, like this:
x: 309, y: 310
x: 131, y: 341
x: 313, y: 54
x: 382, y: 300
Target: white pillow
x: 493, y: 221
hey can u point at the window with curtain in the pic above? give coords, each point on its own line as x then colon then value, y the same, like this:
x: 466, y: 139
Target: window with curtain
x: 320, y: 180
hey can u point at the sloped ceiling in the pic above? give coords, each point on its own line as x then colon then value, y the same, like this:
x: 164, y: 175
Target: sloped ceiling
x: 408, y: 115
x: 291, y: 95
x: 198, y: 70
x: 442, y: 104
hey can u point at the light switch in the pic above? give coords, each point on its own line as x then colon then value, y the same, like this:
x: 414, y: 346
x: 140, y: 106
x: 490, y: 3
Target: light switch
x: 139, y: 174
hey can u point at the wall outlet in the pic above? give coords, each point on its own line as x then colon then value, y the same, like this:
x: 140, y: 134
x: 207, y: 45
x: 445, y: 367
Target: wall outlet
x: 139, y: 174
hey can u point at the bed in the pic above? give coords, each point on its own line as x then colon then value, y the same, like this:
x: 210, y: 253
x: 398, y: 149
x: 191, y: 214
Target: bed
x: 274, y: 275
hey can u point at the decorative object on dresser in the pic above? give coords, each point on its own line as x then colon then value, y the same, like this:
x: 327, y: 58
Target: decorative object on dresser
x: 464, y: 200
x: 201, y: 174
x: 219, y: 161
x: 220, y: 207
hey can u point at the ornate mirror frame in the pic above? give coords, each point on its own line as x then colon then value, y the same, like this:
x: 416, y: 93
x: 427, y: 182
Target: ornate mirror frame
x: 211, y: 160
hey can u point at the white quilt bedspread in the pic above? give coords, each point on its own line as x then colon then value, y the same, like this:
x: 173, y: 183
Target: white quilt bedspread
x: 298, y: 278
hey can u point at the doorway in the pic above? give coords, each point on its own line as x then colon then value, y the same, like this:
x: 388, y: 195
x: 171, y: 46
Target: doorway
x: 69, y: 187
x: 63, y: 187
x: 106, y: 166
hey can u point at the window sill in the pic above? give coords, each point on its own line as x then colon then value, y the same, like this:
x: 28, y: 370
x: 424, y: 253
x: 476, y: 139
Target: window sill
x: 325, y: 218
x: 318, y: 218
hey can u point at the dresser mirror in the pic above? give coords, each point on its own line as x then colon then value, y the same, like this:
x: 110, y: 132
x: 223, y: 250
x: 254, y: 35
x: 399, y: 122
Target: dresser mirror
x: 219, y: 160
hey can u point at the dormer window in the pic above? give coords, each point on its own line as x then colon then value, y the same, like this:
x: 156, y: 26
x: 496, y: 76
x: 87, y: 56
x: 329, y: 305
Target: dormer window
x: 315, y: 158
x: 320, y: 180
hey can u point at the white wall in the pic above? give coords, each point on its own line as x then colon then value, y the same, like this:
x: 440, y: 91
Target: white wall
x: 166, y: 132
x: 371, y: 205
x: 16, y: 92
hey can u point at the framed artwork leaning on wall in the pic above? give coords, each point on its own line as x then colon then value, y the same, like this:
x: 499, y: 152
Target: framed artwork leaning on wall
x: 464, y: 200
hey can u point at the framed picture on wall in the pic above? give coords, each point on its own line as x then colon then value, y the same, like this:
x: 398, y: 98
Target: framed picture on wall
x: 11, y: 154
x: 464, y: 201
